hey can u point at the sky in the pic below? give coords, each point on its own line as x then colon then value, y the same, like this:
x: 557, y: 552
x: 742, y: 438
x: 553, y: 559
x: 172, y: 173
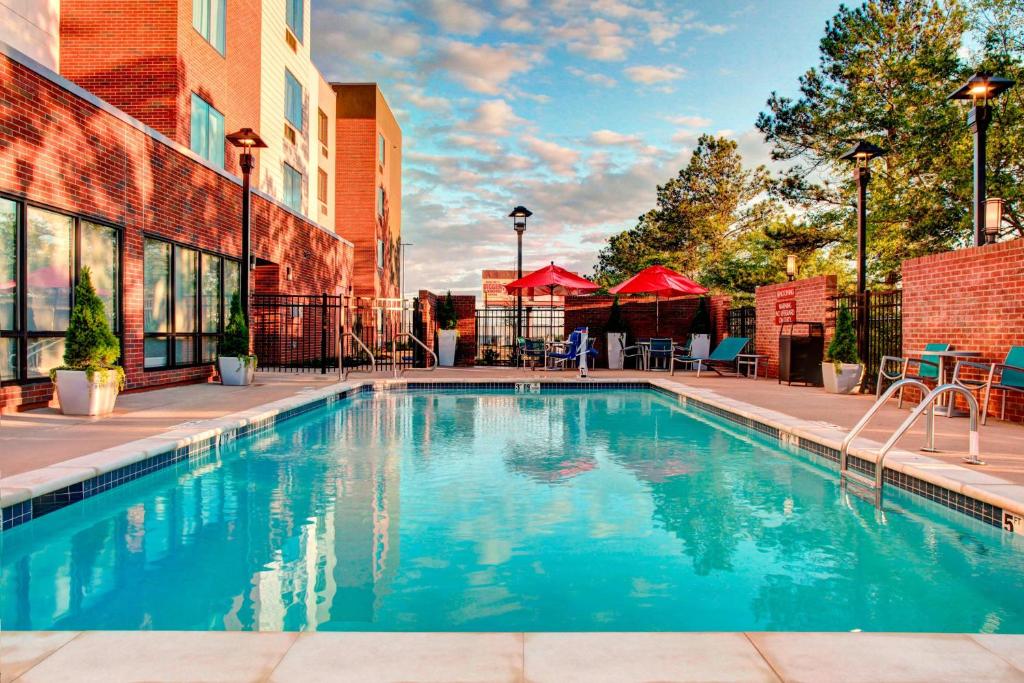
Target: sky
x: 576, y: 109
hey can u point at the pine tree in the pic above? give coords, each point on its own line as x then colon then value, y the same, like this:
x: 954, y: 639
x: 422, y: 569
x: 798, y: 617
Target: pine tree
x: 89, y: 342
x: 843, y: 348
x: 235, y: 343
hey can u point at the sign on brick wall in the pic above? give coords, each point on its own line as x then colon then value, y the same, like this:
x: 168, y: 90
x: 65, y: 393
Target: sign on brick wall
x: 785, y: 306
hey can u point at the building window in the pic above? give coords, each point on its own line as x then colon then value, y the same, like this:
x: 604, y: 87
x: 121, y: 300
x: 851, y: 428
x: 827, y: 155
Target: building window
x: 208, y: 20
x: 41, y: 254
x: 381, y: 147
x: 322, y: 127
x: 380, y: 253
x: 292, y: 100
x: 294, y: 16
x: 185, y: 295
x: 380, y: 202
x: 292, y: 188
x: 207, y: 131
x: 321, y: 185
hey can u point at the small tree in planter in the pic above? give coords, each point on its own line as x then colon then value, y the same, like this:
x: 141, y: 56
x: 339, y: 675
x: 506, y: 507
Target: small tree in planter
x: 89, y: 380
x: 700, y: 330
x: 616, y: 329
x: 448, y: 335
x: 842, y: 370
x: 236, y: 365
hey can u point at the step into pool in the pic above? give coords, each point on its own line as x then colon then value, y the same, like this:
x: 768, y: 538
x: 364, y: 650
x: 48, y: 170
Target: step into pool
x: 488, y: 510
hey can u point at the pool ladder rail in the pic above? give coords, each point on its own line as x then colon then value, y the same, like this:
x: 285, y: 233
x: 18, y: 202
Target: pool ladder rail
x: 397, y: 367
x: 926, y: 407
x: 342, y: 370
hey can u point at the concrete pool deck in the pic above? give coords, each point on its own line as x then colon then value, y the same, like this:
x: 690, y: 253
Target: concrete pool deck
x: 116, y: 656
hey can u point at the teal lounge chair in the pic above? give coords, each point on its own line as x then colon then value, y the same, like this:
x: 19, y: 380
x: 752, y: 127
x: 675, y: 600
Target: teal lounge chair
x: 894, y: 368
x: 1006, y: 376
x: 724, y: 356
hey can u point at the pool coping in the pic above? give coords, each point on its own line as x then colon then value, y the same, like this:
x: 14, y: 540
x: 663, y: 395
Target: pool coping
x: 32, y: 494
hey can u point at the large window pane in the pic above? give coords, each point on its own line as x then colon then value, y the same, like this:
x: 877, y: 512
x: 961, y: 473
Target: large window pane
x: 99, y: 255
x: 155, y: 349
x: 185, y: 285
x: 232, y: 285
x: 293, y: 100
x: 184, y: 350
x: 294, y: 16
x: 48, y: 244
x: 8, y: 266
x: 208, y: 19
x: 206, y: 137
x: 209, y: 349
x: 292, y: 188
x: 157, y: 286
x: 8, y: 359
x: 44, y: 354
x: 211, y: 293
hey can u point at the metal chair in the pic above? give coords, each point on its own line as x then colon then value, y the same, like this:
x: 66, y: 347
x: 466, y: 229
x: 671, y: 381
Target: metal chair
x: 660, y: 350
x: 531, y: 351
x: 1006, y: 376
x: 634, y: 352
x: 927, y: 369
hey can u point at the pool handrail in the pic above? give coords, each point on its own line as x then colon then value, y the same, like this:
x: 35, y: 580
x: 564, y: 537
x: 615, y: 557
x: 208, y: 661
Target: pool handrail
x: 398, y: 369
x: 341, y: 354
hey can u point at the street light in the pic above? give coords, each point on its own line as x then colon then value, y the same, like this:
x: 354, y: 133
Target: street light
x: 860, y: 155
x: 993, y: 218
x: 519, y: 216
x: 980, y: 89
x: 791, y: 267
x: 247, y: 140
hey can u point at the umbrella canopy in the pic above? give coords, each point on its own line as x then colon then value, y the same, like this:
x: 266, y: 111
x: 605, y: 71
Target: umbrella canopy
x: 660, y: 281
x: 552, y: 280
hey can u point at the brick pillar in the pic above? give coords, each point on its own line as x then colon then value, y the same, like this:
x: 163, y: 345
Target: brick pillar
x: 811, y: 300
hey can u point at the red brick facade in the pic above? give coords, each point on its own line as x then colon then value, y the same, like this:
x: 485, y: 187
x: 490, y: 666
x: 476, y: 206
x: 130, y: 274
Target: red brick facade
x: 59, y: 150
x: 971, y: 298
x: 465, y: 313
x: 811, y: 301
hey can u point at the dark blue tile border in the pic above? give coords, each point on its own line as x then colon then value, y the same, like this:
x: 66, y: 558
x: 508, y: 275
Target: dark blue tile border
x: 19, y: 513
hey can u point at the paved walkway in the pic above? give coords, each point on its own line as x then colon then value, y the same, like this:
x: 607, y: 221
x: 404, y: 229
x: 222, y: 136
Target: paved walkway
x: 112, y: 657
x: 43, y: 437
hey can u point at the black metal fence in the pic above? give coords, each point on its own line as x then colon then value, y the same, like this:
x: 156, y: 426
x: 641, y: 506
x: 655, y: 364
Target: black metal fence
x: 742, y: 322
x: 496, y: 331
x: 878, y: 320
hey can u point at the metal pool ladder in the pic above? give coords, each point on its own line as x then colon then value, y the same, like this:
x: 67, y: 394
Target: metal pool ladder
x: 926, y: 406
x: 397, y: 368
x: 341, y: 354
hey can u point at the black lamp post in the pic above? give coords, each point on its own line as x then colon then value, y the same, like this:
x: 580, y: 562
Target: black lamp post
x: 860, y: 155
x: 247, y: 140
x: 980, y: 89
x: 519, y: 216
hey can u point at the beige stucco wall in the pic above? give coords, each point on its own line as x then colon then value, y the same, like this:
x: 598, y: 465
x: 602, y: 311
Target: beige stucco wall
x: 33, y: 27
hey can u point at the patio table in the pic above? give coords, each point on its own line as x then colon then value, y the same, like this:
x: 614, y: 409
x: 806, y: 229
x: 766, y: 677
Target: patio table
x: 750, y: 362
x: 946, y: 405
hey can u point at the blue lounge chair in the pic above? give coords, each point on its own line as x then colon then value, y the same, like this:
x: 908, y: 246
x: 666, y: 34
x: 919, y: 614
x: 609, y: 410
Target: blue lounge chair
x: 1006, y: 376
x: 724, y: 356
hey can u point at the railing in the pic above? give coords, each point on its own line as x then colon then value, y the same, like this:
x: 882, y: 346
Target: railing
x: 496, y: 331
x: 296, y: 332
x: 358, y: 342
x: 742, y: 322
x: 878, y: 320
x: 398, y: 369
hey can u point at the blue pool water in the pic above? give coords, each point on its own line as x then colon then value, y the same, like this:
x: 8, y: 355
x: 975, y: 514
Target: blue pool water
x: 492, y: 511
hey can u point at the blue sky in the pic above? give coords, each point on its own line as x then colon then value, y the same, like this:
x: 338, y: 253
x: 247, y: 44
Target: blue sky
x: 575, y: 108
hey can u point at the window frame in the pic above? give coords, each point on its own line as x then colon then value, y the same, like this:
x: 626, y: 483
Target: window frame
x: 20, y: 333
x: 285, y: 167
x: 297, y: 31
x: 171, y: 335
x: 223, y: 16
x: 382, y: 146
x: 322, y: 185
x: 211, y: 140
x: 381, y: 200
x: 290, y: 78
x: 323, y: 130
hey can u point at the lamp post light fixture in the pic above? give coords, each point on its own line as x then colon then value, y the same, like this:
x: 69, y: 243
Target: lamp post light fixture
x: 519, y: 216
x: 860, y: 155
x: 980, y: 89
x: 791, y: 267
x: 993, y: 218
x: 247, y: 140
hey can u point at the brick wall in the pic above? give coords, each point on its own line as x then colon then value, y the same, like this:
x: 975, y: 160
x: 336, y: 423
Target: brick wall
x: 465, y: 312
x: 811, y: 298
x: 971, y: 298
x: 62, y: 151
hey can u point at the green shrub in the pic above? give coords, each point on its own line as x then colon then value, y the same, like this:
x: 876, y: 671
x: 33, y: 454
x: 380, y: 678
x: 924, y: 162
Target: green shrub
x: 235, y: 343
x: 616, y: 323
x: 702, y: 319
x: 89, y: 343
x: 447, y: 319
x: 843, y: 348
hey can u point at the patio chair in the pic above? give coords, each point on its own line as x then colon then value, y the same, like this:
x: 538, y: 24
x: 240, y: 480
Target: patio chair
x: 660, y: 353
x: 634, y: 352
x: 565, y: 354
x: 531, y: 351
x: 894, y: 368
x: 725, y: 355
x: 1006, y: 376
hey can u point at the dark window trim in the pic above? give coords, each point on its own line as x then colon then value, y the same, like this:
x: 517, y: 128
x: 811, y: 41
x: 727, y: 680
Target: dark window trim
x: 223, y: 53
x: 197, y: 336
x: 21, y: 333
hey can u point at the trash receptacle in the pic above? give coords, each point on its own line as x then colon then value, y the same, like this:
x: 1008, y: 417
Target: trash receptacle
x: 801, y: 350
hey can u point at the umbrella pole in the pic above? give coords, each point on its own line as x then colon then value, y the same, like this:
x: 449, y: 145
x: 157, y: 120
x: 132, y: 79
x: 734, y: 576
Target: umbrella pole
x: 657, y: 313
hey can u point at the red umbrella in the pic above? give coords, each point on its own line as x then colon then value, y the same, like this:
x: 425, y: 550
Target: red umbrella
x: 552, y: 280
x: 659, y: 281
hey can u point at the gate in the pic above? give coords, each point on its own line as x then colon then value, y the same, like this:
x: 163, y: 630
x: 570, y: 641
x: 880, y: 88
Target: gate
x: 296, y: 332
x: 878, y: 320
x: 496, y: 331
x: 743, y: 322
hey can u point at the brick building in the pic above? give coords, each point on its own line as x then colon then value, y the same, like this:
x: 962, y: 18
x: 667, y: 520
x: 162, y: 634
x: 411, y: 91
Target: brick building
x: 112, y: 155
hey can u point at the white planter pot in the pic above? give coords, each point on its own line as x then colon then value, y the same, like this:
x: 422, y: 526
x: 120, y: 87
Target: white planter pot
x: 78, y: 396
x: 234, y: 371
x: 700, y: 345
x: 616, y: 341
x: 447, y: 340
x: 843, y: 382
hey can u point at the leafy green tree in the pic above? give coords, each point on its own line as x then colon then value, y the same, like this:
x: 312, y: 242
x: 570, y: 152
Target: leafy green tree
x: 843, y: 347
x: 89, y: 342
x: 235, y: 343
x: 447, y: 318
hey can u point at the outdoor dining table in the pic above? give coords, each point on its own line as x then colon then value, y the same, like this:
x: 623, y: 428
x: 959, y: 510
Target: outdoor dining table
x: 946, y: 405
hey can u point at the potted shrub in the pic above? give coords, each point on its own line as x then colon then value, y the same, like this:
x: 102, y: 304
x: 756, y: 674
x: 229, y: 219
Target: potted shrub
x: 89, y: 380
x: 700, y: 331
x: 616, y: 330
x: 447, y: 335
x: 842, y: 371
x: 236, y: 365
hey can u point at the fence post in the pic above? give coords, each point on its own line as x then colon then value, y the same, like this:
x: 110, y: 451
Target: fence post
x: 323, y: 334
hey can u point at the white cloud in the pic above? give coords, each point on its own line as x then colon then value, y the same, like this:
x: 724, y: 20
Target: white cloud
x: 594, y: 78
x: 649, y: 74
x: 459, y: 17
x: 495, y: 118
x: 689, y: 121
x: 416, y: 96
x: 597, y: 39
x: 713, y: 29
x: 516, y: 24
x: 609, y: 138
x: 561, y: 160
x: 484, y: 68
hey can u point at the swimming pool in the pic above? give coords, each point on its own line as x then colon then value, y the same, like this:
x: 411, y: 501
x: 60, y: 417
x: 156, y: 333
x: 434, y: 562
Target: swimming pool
x: 493, y: 511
